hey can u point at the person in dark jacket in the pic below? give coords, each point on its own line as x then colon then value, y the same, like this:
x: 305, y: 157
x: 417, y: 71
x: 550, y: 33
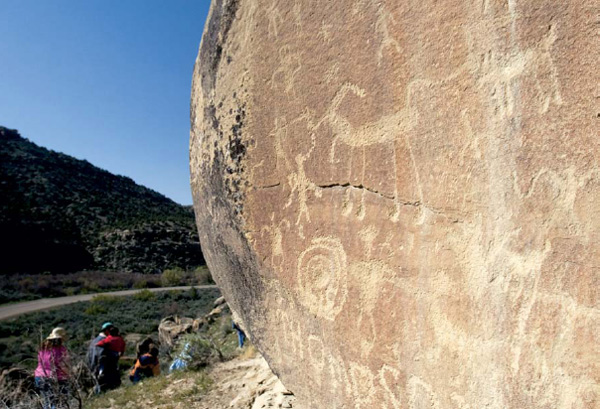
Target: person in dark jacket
x: 94, y: 351
x: 104, y: 366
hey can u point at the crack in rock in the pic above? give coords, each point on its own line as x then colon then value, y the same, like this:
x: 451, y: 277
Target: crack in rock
x: 360, y: 187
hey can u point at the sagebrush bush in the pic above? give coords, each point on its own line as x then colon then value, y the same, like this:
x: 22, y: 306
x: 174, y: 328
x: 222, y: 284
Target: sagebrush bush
x: 172, y: 277
x: 95, y: 309
x: 203, y: 275
x: 140, y: 284
x: 144, y: 295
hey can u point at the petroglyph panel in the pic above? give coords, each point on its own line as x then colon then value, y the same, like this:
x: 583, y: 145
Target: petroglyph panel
x: 400, y: 199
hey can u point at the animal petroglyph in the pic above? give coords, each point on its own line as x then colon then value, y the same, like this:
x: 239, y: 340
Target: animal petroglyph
x: 321, y: 272
x: 385, y: 129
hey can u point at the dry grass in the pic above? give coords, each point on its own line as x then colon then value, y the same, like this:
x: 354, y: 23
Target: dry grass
x: 249, y: 352
x: 173, y: 391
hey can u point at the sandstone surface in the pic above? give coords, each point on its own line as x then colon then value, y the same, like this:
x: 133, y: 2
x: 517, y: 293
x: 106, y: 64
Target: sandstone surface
x: 401, y: 199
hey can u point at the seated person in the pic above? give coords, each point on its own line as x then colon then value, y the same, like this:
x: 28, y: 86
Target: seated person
x: 147, y: 365
x: 144, y: 346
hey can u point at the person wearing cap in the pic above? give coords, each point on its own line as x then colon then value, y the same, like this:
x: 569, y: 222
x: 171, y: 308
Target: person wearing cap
x: 95, y: 352
x: 113, y: 348
x: 52, y: 372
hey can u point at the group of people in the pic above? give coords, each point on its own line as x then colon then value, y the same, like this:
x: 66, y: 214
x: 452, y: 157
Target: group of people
x: 107, y: 348
x: 53, y: 371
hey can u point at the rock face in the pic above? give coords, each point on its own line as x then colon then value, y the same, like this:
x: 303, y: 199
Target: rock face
x: 402, y: 199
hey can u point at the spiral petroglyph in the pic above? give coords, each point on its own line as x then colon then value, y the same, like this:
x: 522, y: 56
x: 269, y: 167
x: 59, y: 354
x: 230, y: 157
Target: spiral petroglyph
x: 322, y: 277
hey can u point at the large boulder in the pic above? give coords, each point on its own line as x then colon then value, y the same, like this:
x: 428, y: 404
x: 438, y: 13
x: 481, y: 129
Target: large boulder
x: 402, y: 199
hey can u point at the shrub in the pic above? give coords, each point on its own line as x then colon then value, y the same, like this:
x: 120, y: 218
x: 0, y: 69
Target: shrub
x: 172, y: 277
x: 95, y: 309
x: 106, y: 299
x: 144, y: 295
x: 172, y: 309
x: 192, y: 293
x: 203, y: 275
x: 140, y: 284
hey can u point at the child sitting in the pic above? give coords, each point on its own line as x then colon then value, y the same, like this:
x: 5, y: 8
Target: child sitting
x: 147, y: 365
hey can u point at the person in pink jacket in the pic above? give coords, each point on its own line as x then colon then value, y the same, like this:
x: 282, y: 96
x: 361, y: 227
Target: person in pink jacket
x: 52, y: 372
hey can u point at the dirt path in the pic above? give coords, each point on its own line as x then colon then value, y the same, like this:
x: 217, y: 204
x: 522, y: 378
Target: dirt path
x: 14, y: 310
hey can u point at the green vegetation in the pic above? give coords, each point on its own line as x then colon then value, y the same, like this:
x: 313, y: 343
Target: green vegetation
x: 61, y: 214
x: 144, y: 295
x: 172, y: 277
x: 177, y: 276
x: 156, y: 392
x: 137, y: 316
x: 140, y: 314
x: 23, y: 287
x: 202, y: 275
x: 222, y: 337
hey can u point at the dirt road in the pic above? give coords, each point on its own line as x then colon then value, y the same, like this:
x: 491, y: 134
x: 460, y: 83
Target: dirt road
x: 14, y: 310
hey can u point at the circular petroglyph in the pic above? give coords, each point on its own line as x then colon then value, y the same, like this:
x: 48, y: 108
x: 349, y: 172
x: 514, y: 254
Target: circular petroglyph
x: 322, y: 271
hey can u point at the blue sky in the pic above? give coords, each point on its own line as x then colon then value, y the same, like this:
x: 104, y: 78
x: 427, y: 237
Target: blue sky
x: 104, y: 80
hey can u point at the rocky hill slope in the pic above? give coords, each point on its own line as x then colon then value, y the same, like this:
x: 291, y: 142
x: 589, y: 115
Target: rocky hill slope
x: 62, y: 214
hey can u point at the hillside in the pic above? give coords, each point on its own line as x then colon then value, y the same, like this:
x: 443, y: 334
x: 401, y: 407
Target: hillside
x: 62, y: 214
